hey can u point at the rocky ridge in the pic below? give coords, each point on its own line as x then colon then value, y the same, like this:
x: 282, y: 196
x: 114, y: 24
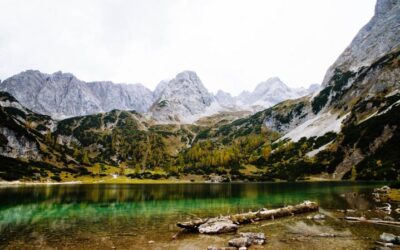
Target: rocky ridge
x: 62, y: 95
x: 183, y: 99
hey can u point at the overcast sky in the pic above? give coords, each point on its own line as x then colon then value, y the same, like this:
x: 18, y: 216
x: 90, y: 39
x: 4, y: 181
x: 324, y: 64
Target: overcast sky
x: 232, y: 44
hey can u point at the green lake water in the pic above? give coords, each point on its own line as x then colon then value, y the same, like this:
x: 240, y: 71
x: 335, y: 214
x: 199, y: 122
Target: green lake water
x: 119, y: 216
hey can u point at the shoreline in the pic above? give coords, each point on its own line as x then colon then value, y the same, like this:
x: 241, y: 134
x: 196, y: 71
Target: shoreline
x: 150, y: 181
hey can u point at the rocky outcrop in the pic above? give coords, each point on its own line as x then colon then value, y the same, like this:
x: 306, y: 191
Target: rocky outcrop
x: 18, y: 146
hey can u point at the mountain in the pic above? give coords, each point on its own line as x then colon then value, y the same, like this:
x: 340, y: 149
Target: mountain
x: 358, y: 102
x: 62, y: 95
x: 349, y: 129
x: 271, y: 92
x: 265, y: 95
x: 377, y: 38
x: 35, y: 147
x: 184, y: 99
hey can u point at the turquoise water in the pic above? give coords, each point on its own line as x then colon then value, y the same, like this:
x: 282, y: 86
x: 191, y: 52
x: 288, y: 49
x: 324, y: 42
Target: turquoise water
x: 108, y: 216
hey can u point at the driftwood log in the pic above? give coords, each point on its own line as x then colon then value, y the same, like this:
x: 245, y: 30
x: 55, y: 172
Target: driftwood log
x: 262, y: 214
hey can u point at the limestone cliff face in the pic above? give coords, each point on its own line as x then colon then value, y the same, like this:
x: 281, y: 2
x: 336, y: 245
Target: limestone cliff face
x: 378, y: 37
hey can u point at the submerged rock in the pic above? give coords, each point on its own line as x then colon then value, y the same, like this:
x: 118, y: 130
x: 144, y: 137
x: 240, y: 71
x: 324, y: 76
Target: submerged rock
x: 254, y: 238
x: 218, y: 226
x: 317, y: 217
x: 240, y: 242
x: 247, y: 239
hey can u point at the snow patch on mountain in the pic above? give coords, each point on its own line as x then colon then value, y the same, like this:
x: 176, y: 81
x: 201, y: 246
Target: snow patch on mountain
x: 317, y: 126
x: 317, y: 150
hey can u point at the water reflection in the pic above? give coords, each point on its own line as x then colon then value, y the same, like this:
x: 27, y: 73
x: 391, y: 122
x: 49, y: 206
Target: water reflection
x: 56, y: 211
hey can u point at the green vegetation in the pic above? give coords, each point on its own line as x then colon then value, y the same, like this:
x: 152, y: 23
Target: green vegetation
x: 125, y: 144
x: 334, y: 91
x: 381, y: 161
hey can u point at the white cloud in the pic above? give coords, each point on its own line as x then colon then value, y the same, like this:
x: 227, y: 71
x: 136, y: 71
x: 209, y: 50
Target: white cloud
x: 232, y: 44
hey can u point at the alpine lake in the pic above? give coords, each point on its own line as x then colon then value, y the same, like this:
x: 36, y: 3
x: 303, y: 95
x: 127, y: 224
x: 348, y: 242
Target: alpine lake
x: 144, y: 216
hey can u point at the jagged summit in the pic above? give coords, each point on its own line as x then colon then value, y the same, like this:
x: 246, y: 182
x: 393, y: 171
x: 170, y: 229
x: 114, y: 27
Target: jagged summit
x: 183, y: 99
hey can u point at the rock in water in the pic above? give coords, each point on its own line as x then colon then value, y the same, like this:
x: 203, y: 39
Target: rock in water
x: 218, y: 226
x: 317, y: 217
x: 240, y: 242
x: 254, y: 238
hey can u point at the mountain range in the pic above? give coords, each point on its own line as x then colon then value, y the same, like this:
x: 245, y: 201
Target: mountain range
x: 349, y: 129
x: 184, y: 99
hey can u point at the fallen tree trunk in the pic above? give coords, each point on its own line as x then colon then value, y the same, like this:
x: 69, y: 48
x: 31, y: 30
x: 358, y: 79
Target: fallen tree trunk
x: 380, y: 222
x: 243, y: 218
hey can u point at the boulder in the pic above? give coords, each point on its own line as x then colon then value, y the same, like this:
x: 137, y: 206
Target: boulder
x: 217, y: 226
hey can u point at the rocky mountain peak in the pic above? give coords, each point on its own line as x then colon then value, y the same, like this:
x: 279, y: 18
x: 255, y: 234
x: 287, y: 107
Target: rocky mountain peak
x: 183, y: 99
x: 378, y: 37
x: 187, y: 85
x: 187, y: 75
x: 272, y: 83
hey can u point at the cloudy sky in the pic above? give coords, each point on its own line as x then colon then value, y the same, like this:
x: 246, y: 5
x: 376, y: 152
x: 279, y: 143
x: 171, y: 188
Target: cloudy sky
x: 232, y: 44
